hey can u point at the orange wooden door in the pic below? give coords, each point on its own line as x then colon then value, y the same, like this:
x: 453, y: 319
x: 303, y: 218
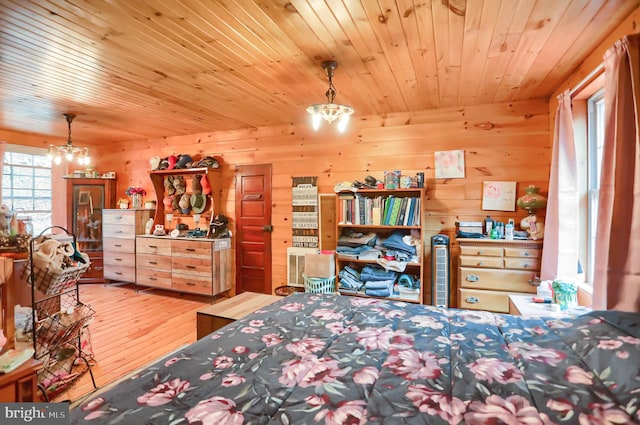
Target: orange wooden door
x: 253, y: 228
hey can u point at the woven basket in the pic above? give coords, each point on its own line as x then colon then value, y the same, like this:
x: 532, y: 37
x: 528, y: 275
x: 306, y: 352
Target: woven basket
x: 52, y: 282
x: 320, y: 285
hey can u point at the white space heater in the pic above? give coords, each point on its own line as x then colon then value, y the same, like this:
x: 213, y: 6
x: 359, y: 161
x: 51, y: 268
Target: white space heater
x: 440, y: 278
x: 295, y: 265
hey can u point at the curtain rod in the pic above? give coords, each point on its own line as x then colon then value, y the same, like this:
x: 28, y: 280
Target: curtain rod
x: 586, y: 80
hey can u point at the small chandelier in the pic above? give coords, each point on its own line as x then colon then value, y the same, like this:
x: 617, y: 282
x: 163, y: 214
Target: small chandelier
x: 68, y: 151
x: 330, y: 111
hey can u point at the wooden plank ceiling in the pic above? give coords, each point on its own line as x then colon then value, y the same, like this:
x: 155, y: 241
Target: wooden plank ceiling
x: 140, y: 69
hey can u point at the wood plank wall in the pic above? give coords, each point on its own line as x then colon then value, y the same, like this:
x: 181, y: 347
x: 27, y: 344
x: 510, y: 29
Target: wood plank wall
x: 502, y: 142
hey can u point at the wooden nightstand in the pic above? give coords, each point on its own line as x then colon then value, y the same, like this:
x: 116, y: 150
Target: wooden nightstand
x: 213, y: 317
x: 20, y: 385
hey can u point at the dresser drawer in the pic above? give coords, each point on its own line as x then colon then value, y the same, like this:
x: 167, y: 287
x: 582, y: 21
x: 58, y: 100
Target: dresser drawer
x: 522, y: 252
x: 191, y: 283
x: 155, y: 278
x: 484, y: 300
x: 153, y: 246
x: 119, y: 245
x: 192, y: 266
x: 127, y: 274
x: 119, y: 259
x: 191, y: 249
x: 119, y: 231
x: 503, y: 280
x: 116, y: 217
x: 522, y: 264
x: 484, y: 262
x: 153, y: 262
x: 485, y: 251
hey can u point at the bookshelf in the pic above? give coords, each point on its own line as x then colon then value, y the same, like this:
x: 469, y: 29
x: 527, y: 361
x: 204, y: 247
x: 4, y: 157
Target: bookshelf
x: 390, y: 215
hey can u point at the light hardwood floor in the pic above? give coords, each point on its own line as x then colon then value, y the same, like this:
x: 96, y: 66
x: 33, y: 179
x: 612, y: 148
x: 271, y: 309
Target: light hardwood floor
x: 130, y: 329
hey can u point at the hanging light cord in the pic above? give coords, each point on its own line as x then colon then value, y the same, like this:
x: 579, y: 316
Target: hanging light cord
x: 69, y: 118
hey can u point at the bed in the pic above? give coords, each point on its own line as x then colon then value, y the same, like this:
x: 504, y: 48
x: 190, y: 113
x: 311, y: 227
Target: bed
x: 324, y: 358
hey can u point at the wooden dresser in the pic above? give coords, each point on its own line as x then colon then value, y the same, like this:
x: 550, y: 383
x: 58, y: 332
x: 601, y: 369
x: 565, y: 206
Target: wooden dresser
x: 119, y: 229
x: 20, y: 384
x: 492, y: 269
x: 195, y: 265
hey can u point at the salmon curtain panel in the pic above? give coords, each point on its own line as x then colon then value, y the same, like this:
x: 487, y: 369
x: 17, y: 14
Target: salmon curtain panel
x: 617, y: 273
x: 3, y: 146
x: 560, y: 253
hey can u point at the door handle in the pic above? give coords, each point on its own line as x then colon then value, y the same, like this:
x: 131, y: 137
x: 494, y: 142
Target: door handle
x: 267, y: 228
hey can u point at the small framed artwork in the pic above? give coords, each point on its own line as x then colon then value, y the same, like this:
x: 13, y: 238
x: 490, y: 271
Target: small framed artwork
x: 499, y: 196
x: 449, y: 164
x: 84, y: 198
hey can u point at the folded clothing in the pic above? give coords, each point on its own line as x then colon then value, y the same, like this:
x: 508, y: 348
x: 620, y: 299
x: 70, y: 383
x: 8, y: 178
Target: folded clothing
x: 357, y: 239
x: 395, y: 241
x: 379, y: 284
x: 376, y: 273
x: 408, y: 281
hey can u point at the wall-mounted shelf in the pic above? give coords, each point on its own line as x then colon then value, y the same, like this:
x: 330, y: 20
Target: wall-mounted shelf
x: 213, y: 176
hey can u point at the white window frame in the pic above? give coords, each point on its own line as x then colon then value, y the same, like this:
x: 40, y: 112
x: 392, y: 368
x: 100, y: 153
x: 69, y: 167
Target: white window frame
x: 595, y: 146
x: 45, y: 216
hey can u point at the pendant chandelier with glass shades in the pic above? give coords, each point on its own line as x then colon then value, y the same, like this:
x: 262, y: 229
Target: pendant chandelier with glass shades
x: 68, y: 151
x: 330, y: 111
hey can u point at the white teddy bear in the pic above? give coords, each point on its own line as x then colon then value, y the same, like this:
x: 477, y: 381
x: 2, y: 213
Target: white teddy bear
x: 6, y: 220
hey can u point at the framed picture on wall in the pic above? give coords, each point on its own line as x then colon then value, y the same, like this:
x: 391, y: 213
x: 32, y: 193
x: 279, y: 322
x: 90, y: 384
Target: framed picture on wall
x: 449, y: 164
x: 84, y: 197
x: 499, y: 196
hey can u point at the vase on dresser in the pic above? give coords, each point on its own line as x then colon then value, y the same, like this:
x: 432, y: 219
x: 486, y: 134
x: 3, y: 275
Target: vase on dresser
x: 136, y: 201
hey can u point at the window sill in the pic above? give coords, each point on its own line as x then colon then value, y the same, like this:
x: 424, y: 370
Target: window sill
x: 585, y: 294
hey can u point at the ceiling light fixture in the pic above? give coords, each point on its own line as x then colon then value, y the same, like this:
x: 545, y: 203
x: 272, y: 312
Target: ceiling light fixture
x: 68, y: 151
x: 330, y: 111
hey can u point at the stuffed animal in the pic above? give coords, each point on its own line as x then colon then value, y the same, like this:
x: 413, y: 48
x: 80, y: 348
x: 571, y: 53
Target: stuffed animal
x: 6, y: 220
x: 533, y: 227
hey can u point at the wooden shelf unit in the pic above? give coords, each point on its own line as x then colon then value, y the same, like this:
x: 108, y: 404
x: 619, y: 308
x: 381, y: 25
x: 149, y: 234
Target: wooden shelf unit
x: 382, y: 230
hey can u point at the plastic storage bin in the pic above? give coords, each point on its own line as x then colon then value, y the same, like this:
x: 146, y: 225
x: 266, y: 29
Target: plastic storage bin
x: 319, y: 285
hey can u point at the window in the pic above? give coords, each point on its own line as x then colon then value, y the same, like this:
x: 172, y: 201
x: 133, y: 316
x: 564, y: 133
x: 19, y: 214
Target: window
x: 26, y: 185
x: 595, y: 144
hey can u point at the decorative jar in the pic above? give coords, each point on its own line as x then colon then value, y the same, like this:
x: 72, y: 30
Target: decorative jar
x: 532, y: 200
x: 136, y: 200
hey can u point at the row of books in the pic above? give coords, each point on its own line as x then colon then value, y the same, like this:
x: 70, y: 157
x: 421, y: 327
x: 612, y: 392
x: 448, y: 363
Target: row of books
x: 380, y: 210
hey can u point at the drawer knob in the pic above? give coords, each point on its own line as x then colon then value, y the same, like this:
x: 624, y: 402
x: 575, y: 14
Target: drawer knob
x: 472, y: 278
x: 119, y: 273
x: 153, y: 246
x: 526, y: 254
x: 480, y: 252
x: 479, y: 263
x: 472, y: 300
x: 534, y: 281
x: 152, y: 278
x: 118, y: 245
x: 190, y: 266
x: 118, y: 259
x: 190, y: 283
x: 190, y: 249
x: 153, y: 262
x: 526, y: 265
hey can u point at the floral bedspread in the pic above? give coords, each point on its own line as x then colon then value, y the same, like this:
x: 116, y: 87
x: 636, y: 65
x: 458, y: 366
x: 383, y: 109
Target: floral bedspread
x: 331, y: 359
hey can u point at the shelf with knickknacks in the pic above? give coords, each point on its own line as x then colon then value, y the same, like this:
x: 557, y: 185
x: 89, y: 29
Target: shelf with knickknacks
x: 186, y: 190
x: 532, y: 201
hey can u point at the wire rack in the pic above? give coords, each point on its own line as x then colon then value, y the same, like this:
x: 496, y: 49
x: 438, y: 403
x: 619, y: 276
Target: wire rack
x: 58, y: 317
